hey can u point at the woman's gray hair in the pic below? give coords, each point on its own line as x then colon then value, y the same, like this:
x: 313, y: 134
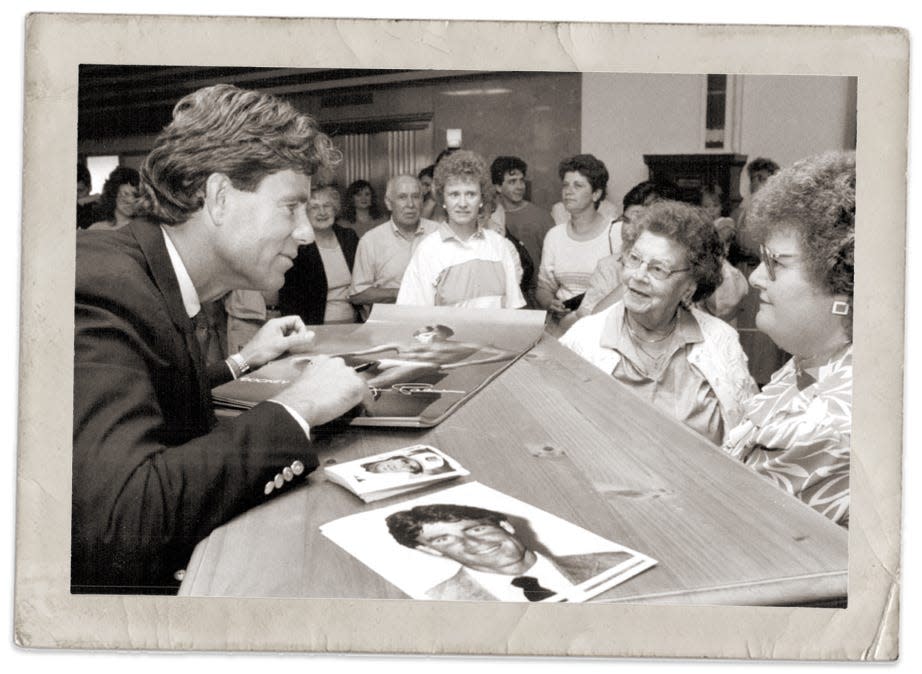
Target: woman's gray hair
x: 690, y: 227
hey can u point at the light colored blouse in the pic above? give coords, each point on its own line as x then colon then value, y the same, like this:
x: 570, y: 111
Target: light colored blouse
x: 674, y: 386
x: 712, y: 381
x: 800, y: 439
x: 567, y: 264
x: 339, y: 280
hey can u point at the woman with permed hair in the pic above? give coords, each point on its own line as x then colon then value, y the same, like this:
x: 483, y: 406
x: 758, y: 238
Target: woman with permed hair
x: 116, y: 205
x: 463, y: 263
x: 360, y: 211
x: 797, y: 431
x: 684, y: 361
x: 572, y: 250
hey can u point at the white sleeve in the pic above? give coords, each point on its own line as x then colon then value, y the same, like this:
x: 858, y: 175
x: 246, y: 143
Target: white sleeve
x: 515, y: 259
x: 417, y: 287
x: 363, y: 272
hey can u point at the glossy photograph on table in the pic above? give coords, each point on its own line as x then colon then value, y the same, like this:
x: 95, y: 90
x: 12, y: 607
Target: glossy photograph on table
x: 473, y: 543
x: 420, y: 363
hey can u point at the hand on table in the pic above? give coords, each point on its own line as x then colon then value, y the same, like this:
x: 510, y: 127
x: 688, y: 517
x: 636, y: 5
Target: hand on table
x: 278, y: 335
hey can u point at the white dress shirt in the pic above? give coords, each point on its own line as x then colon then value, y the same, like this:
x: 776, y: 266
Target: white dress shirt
x: 193, y: 305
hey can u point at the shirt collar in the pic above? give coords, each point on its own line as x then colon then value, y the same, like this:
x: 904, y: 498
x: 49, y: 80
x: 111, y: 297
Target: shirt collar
x: 446, y: 232
x: 420, y: 229
x: 687, y: 326
x: 543, y: 570
x: 187, y: 289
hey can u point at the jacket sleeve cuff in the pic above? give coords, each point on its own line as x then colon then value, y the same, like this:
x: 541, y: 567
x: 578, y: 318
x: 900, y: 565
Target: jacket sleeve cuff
x: 297, y: 417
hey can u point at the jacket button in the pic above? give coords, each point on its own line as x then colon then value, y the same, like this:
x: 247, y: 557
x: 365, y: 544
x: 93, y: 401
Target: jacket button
x: 279, y: 481
x: 288, y: 474
x: 297, y: 467
x: 270, y: 486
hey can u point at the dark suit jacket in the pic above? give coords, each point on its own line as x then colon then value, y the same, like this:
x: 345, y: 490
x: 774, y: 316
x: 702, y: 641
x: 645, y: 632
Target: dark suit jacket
x: 152, y: 472
x: 305, y: 291
x: 576, y: 568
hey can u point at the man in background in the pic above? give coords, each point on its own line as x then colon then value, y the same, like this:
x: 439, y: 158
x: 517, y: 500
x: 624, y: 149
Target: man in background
x: 521, y: 218
x: 385, y: 251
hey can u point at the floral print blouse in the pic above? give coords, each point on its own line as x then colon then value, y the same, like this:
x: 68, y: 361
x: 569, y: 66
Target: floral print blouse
x: 800, y: 438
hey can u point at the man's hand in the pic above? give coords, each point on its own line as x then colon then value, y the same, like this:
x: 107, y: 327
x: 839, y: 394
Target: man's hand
x: 277, y: 336
x: 326, y: 389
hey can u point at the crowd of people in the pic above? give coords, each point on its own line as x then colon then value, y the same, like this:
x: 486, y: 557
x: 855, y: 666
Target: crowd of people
x: 222, y: 232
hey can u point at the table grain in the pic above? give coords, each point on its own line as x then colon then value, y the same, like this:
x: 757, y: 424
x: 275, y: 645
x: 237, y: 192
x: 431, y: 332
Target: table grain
x: 554, y: 431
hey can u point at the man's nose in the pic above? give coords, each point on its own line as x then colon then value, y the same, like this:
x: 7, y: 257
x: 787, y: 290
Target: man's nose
x: 303, y: 233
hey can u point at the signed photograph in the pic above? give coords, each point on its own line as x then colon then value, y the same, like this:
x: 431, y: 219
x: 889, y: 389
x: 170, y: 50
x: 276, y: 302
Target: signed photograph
x: 418, y: 369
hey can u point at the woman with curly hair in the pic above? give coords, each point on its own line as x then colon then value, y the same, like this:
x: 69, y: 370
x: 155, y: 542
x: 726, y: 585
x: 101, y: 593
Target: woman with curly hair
x: 361, y: 211
x: 686, y: 362
x: 116, y: 205
x: 797, y: 431
x: 463, y: 263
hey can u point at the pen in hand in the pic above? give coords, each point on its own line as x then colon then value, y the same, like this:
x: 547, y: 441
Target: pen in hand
x: 361, y: 367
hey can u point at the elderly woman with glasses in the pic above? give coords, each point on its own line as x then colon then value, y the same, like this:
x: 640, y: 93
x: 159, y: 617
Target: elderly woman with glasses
x: 797, y: 431
x: 687, y: 363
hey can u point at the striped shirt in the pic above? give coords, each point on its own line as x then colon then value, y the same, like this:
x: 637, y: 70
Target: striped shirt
x: 446, y: 271
x: 567, y: 264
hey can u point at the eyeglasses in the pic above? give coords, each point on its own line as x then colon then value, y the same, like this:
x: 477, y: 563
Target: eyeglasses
x: 633, y: 261
x: 771, y: 259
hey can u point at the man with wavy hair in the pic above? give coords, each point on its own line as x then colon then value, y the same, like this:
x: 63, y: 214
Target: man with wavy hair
x: 221, y: 206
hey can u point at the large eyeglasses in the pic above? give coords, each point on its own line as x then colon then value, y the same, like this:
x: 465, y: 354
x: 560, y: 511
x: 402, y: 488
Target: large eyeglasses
x: 633, y: 261
x: 771, y: 259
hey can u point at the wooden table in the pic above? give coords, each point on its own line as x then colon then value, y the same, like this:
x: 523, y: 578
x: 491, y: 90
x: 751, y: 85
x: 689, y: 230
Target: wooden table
x: 555, y: 432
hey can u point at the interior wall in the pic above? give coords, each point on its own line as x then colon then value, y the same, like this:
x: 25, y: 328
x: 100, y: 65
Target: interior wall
x: 535, y: 116
x: 785, y: 118
x: 625, y: 116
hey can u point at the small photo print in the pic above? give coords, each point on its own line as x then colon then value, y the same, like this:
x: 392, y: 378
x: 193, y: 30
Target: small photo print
x: 395, y: 472
x: 473, y: 543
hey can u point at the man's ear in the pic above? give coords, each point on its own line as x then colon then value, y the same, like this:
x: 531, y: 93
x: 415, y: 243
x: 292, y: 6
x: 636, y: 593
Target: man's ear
x: 217, y: 192
x: 508, y: 527
x: 429, y: 551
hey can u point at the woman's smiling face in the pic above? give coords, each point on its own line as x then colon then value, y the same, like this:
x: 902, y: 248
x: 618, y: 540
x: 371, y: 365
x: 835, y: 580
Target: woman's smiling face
x: 652, y: 300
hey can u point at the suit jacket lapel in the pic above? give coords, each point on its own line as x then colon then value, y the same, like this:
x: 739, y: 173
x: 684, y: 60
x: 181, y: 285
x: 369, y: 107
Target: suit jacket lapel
x: 150, y: 241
